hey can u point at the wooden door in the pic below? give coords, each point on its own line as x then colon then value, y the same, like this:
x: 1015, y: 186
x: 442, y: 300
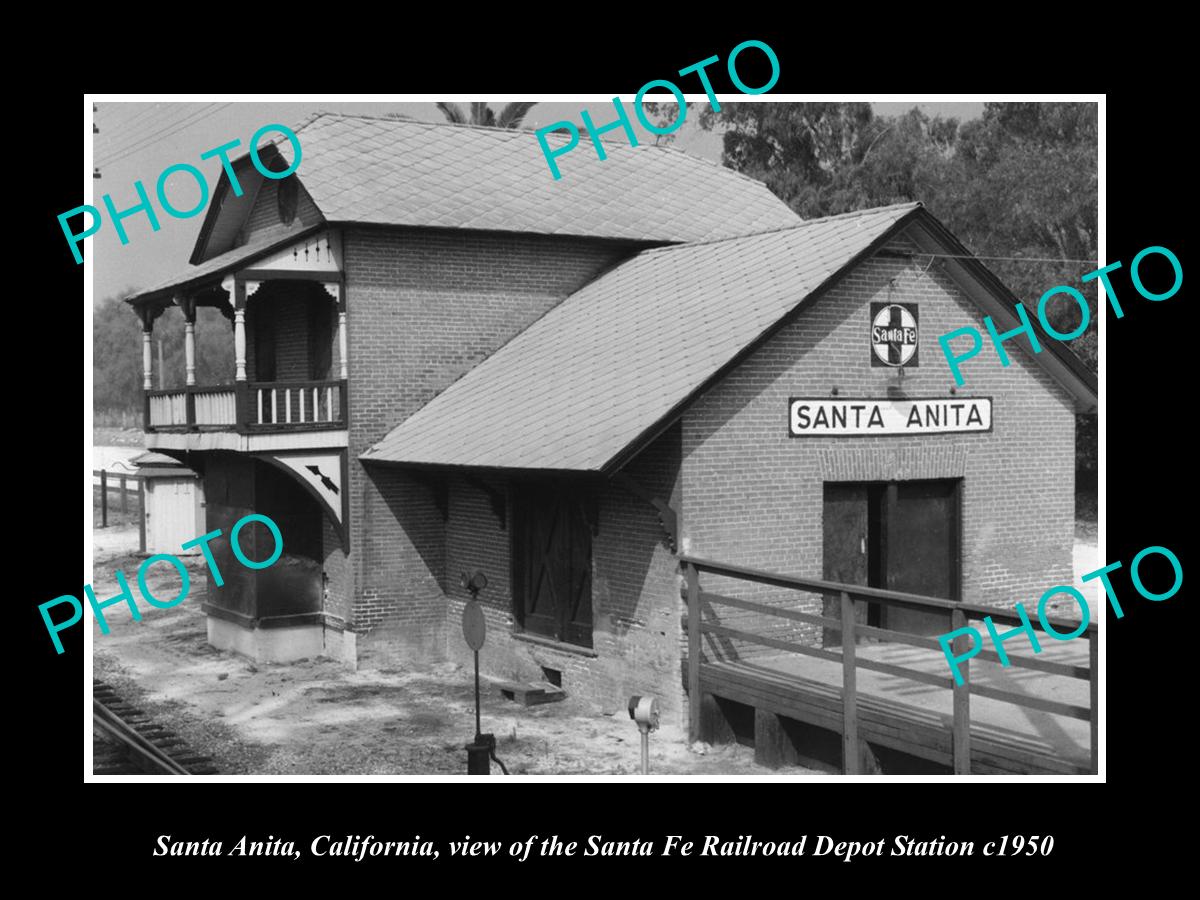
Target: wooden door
x: 922, y: 524
x: 851, y: 547
x: 150, y: 500
x: 541, y: 564
x: 553, y: 587
x: 576, y: 614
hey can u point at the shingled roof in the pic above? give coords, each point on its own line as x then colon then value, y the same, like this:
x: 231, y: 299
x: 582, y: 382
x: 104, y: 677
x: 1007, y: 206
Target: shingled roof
x: 369, y: 170
x: 588, y: 384
x: 602, y: 369
x: 383, y: 171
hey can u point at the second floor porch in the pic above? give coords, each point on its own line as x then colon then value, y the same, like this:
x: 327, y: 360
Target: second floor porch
x: 249, y: 407
x: 283, y: 369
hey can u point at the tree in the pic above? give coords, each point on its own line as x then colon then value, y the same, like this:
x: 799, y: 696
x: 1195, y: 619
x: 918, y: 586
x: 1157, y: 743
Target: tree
x: 1018, y: 186
x: 796, y: 149
x: 511, y: 116
x: 117, y: 353
x: 116, y: 357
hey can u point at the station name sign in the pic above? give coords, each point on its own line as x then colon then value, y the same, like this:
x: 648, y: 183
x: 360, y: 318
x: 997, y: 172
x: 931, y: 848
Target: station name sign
x: 809, y: 417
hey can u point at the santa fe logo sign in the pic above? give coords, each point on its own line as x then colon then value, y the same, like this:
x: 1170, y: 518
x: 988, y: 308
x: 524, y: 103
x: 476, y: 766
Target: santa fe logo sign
x: 894, y: 334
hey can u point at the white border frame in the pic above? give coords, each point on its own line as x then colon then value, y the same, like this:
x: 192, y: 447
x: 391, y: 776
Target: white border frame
x: 88, y: 193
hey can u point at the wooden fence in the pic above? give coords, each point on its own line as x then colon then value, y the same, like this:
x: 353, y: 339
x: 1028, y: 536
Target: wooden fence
x: 959, y: 615
x: 126, y: 484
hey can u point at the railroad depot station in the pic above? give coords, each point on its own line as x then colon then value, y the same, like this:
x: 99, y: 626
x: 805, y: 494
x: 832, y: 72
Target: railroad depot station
x: 653, y: 406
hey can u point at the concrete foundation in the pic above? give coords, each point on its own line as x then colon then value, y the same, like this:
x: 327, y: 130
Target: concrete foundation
x: 274, y: 645
x: 341, y: 645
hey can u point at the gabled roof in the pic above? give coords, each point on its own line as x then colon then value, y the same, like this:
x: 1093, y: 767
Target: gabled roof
x: 154, y: 465
x: 580, y: 386
x: 590, y: 383
x: 387, y: 171
x: 367, y: 170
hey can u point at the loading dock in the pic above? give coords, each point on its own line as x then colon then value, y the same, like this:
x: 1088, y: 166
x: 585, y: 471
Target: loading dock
x: 887, y: 694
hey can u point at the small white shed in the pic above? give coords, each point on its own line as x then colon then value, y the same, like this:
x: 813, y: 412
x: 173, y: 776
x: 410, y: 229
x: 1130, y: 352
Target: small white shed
x: 174, y: 503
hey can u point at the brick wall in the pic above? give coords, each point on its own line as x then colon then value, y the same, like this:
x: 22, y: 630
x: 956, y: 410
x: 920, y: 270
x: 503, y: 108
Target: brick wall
x: 399, y: 610
x: 337, y: 570
x: 752, y: 495
x: 424, y: 307
x: 289, y: 307
x: 265, y: 212
x: 237, y: 485
x: 636, y: 604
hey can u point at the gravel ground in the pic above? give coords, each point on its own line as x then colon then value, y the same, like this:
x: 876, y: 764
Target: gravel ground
x: 317, y: 717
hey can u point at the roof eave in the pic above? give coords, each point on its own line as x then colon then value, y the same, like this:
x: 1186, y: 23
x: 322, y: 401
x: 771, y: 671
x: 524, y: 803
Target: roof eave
x: 651, y: 434
x: 1086, y: 400
x: 1081, y: 382
x: 456, y: 468
x: 217, y: 275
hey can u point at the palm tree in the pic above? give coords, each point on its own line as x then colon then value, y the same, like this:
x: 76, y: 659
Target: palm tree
x: 481, y: 114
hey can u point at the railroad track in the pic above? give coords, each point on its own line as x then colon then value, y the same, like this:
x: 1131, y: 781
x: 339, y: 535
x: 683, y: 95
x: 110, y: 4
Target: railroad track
x: 126, y: 741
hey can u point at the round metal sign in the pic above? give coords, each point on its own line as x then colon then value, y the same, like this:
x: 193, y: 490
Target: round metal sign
x: 474, y: 625
x: 894, y: 335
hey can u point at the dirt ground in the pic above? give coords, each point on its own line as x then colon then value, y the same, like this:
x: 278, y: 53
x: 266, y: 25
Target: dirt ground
x: 315, y: 717
x: 109, y: 435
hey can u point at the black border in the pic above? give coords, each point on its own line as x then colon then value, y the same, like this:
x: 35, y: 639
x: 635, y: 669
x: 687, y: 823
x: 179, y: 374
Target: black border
x: 1149, y: 361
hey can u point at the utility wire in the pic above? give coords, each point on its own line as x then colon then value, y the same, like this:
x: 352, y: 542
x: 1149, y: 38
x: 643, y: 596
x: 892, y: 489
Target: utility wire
x: 116, y: 129
x: 1049, y: 259
x: 162, y: 133
x: 160, y: 136
x: 139, y: 114
x: 133, y: 137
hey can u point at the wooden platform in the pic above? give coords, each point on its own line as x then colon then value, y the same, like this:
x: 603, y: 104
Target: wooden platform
x: 529, y: 694
x: 882, y: 721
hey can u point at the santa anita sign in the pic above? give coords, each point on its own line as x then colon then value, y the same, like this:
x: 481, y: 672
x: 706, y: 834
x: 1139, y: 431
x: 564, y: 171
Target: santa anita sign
x: 812, y: 417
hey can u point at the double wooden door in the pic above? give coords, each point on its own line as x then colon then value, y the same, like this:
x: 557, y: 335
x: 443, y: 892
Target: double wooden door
x: 902, y: 536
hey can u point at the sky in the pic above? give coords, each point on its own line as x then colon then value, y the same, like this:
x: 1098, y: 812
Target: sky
x: 137, y: 141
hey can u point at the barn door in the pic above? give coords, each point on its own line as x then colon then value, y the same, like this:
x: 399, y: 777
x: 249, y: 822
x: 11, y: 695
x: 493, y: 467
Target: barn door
x: 553, y: 587
x: 577, y: 612
x: 542, y: 565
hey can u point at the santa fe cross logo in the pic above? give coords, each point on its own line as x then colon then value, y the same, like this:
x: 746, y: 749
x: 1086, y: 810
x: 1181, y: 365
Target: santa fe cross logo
x: 894, y: 334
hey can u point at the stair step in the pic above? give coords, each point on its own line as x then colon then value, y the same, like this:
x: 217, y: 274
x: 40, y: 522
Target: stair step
x: 530, y: 694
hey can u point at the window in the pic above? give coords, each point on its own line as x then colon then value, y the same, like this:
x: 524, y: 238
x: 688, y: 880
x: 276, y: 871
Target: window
x: 552, y: 527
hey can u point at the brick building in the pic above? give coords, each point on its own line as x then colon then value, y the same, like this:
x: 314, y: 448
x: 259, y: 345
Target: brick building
x: 449, y: 362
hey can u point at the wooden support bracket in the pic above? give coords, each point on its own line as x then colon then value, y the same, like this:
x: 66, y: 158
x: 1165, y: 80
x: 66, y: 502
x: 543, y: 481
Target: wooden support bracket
x: 667, y: 517
x: 438, y: 487
x: 496, y: 498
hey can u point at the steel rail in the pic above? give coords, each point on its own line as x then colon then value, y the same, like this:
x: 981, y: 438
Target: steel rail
x: 151, y: 759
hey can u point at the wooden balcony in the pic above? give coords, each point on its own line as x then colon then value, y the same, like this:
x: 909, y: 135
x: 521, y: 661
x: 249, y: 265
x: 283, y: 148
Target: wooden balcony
x: 249, y: 407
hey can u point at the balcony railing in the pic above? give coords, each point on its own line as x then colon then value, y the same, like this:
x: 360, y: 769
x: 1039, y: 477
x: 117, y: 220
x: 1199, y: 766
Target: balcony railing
x: 249, y: 407
x: 297, y: 402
